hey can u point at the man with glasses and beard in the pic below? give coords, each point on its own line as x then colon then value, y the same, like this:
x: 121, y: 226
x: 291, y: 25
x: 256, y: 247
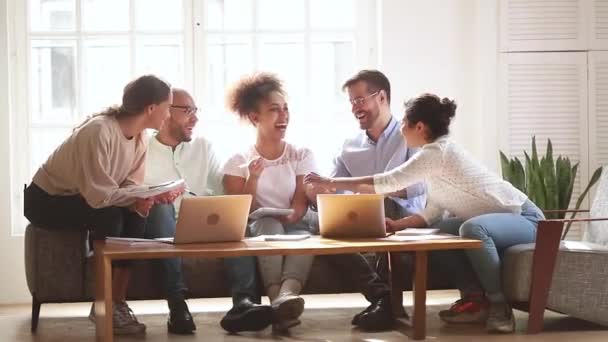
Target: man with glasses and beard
x: 377, y: 148
x: 173, y: 153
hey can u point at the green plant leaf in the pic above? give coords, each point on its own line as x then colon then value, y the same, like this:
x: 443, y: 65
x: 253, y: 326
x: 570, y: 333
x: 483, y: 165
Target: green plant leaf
x: 518, y: 174
x: 535, y: 162
x: 505, y: 167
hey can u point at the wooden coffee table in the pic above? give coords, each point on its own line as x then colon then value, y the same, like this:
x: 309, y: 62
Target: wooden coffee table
x: 107, y: 251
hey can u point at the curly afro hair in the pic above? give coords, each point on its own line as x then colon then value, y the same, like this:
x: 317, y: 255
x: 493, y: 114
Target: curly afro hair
x: 245, y: 95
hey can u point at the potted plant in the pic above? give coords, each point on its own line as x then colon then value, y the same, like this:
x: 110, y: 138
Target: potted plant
x: 548, y: 182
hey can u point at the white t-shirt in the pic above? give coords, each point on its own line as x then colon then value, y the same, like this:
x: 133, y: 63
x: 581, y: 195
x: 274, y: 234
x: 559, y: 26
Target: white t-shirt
x: 194, y: 161
x: 277, y: 183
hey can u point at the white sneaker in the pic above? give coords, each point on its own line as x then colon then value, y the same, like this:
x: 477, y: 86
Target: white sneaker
x: 123, y: 320
x: 288, y: 307
x: 500, y: 319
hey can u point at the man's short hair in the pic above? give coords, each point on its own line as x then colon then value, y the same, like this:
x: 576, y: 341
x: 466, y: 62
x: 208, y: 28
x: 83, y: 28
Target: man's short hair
x: 374, y: 79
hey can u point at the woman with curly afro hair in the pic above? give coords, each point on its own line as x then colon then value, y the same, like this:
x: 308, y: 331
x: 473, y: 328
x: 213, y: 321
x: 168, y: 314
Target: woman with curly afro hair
x: 272, y: 171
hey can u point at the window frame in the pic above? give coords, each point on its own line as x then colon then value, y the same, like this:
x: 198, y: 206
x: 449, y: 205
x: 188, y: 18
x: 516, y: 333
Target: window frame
x: 194, y: 58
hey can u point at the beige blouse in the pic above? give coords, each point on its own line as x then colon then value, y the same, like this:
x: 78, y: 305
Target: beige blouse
x: 96, y: 161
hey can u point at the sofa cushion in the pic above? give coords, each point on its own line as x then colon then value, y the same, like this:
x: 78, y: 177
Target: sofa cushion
x: 579, y: 281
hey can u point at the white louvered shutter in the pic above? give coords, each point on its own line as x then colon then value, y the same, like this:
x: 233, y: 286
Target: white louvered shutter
x: 545, y: 95
x: 543, y: 25
x: 598, y: 109
x: 598, y: 35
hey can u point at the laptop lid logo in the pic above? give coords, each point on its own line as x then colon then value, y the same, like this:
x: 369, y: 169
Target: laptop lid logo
x: 352, y: 216
x: 213, y: 219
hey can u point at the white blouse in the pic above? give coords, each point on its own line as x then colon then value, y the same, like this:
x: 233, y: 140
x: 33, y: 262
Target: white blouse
x: 455, y: 182
x: 277, y: 183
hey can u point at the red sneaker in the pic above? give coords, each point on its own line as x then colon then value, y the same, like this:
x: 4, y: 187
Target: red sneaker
x: 470, y: 309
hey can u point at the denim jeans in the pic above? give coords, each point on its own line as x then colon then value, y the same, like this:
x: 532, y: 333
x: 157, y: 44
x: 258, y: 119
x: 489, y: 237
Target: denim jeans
x: 497, y: 232
x: 240, y: 272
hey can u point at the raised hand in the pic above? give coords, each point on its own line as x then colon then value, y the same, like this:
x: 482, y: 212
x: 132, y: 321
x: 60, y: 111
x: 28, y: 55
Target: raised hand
x: 315, y: 179
x: 256, y: 166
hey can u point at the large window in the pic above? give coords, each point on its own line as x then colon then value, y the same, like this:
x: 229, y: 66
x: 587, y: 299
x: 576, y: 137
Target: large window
x: 74, y: 56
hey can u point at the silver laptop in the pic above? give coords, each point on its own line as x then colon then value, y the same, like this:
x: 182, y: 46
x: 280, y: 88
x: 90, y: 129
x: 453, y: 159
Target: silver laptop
x: 211, y: 219
x: 351, y: 216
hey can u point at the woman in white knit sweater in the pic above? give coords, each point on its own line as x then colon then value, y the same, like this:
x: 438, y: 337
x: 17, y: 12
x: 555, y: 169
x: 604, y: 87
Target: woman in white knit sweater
x: 483, y: 207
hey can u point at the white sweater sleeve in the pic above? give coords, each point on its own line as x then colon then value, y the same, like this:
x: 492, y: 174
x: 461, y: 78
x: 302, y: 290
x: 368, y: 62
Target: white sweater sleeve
x: 413, y: 171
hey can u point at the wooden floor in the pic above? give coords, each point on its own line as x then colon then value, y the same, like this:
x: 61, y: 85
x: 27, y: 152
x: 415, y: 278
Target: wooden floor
x: 327, y: 318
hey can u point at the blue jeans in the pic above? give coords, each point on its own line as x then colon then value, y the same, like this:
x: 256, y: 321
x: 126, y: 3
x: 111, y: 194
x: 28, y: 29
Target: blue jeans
x: 497, y: 233
x: 240, y: 272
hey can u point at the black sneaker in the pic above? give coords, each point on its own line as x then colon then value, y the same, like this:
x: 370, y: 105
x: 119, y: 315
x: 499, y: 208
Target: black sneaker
x: 247, y: 316
x: 180, y: 320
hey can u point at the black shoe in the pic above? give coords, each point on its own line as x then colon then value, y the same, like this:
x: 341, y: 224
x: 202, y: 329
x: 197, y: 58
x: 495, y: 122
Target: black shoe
x: 357, y: 317
x: 247, y: 316
x: 378, y: 316
x: 180, y: 320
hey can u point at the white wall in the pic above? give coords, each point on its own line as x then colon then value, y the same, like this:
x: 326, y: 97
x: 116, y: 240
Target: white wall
x: 12, y: 287
x: 442, y: 47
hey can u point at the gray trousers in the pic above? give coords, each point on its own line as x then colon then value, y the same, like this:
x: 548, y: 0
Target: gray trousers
x: 275, y: 269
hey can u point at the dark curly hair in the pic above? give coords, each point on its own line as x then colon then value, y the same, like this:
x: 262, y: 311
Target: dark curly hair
x: 245, y: 95
x: 432, y: 111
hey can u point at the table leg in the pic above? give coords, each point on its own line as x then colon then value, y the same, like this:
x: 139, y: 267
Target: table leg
x: 395, y: 277
x: 420, y: 279
x: 103, y: 294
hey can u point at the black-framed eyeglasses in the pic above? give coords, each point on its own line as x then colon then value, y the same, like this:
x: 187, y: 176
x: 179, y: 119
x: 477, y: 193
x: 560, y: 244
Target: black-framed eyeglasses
x: 189, y: 111
x: 359, y: 101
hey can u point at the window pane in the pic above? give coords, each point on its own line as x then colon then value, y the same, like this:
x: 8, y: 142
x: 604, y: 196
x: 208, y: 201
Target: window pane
x: 280, y: 14
x: 162, y: 56
x: 52, y: 75
x: 52, y: 15
x: 286, y: 56
x: 335, y: 14
x: 106, y: 72
x: 159, y: 14
x: 105, y: 15
x: 332, y: 63
x: 229, y: 14
x: 229, y: 59
x: 43, y: 141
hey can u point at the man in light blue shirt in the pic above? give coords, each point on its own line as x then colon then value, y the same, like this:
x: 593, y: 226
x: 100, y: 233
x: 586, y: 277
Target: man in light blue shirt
x: 365, y: 155
x: 379, y: 147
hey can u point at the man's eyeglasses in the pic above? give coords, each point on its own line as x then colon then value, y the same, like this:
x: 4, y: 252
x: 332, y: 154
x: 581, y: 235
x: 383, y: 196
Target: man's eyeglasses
x: 189, y: 111
x: 359, y: 101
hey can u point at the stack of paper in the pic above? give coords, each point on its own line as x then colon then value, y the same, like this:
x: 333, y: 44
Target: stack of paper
x: 146, y: 191
x: 417, y: 231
